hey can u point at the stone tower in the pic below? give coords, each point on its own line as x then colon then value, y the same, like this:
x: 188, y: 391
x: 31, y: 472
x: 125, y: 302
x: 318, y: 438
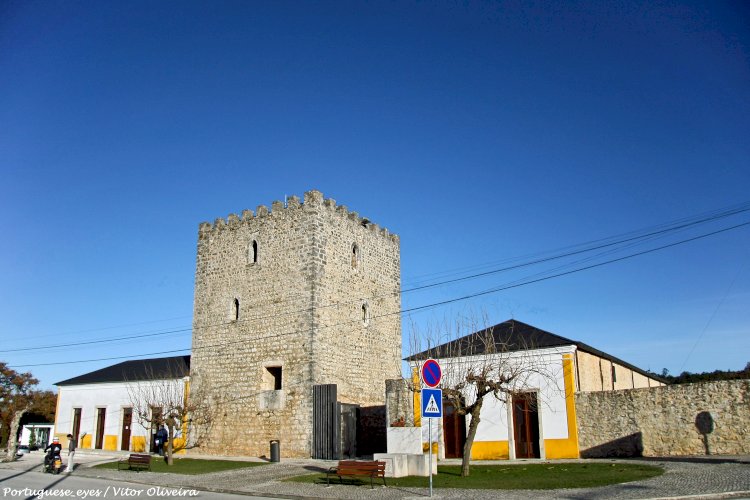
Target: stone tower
x: 285, y: 299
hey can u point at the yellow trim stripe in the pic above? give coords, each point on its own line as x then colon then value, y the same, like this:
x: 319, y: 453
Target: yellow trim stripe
x: 416, y: 399
x: 566, y: 448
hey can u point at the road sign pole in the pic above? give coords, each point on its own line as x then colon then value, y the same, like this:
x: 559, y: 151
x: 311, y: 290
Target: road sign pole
x: 432, y: 402
x: 429, y: 431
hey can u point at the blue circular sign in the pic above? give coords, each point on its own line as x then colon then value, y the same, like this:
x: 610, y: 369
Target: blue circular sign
x: 431, y: 373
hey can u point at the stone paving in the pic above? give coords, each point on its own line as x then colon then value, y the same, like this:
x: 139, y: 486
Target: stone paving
x: 693, y: 477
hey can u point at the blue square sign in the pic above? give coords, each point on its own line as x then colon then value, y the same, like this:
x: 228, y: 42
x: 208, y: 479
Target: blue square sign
x: 432, y: 403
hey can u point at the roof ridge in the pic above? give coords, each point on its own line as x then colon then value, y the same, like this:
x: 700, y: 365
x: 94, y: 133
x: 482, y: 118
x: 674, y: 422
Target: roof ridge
x: 566, y: 339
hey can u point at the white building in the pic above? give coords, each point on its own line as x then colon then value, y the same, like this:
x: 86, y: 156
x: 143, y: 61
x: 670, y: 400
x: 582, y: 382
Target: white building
x: 42, y: 434
x: 536, y: 417
x: 97, y: 408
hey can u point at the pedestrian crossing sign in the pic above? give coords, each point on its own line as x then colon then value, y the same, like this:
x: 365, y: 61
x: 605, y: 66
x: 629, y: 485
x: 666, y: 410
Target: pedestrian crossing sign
x: 432, y: 403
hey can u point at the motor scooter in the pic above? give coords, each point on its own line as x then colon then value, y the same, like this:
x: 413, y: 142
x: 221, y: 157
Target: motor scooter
x: 53, y: 464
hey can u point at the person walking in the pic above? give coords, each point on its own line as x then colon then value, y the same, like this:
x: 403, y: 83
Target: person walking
x: 71, y: 454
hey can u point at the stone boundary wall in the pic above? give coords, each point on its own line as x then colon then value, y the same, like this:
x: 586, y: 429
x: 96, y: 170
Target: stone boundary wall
x: 684, y: 419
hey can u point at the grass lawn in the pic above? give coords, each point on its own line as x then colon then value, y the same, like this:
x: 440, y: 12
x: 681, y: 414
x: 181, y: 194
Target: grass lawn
x: 189, y: 465
x: 515, y: 477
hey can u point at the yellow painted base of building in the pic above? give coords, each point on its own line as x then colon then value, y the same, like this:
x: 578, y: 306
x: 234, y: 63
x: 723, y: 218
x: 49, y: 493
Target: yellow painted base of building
x: 498, y: 450
x: 560, y: 448
x: 490, y: 450
x: 110, y: 442
x: 139, y: 444
x: 426, y: 447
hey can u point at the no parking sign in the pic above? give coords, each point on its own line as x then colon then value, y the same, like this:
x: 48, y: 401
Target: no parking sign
x: 431, y: 373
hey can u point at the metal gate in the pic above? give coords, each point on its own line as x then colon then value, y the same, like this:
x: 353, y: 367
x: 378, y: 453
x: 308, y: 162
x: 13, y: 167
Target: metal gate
x: 326, y: 423
x: 348, y: 430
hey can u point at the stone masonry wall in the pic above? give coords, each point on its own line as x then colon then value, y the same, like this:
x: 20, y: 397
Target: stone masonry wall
x: 275, y: 294
x: 358, y: 341
x: 683, y: 419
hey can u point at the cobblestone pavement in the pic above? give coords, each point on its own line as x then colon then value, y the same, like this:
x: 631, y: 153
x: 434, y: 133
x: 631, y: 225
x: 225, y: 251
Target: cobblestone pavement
x: 694, y: 477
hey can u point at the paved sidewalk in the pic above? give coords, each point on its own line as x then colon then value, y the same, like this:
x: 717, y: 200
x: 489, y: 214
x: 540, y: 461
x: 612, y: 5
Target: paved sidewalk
x: 694, y: 477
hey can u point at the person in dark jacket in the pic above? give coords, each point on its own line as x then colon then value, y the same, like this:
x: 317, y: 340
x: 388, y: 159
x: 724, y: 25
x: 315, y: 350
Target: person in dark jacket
x: 161, y: 439
x: 52, y: 449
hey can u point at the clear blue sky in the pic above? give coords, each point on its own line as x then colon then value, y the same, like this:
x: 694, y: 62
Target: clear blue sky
x: 478, y: 132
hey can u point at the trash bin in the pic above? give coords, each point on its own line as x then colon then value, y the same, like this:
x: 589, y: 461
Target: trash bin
x: 275, y: 450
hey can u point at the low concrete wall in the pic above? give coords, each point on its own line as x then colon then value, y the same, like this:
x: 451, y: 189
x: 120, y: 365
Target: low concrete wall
x: 404, y: 440
x: 407, y: 464
x: 685, y: 419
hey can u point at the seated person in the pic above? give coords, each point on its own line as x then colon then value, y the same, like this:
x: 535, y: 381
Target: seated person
x: 54, y: 448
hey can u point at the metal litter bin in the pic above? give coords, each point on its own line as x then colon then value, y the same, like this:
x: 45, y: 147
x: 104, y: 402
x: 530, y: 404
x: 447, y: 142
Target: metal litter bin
x: 275, y: 450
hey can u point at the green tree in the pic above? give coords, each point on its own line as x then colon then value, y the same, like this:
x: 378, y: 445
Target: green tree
x: 16, y: 397
x: 690, y: 377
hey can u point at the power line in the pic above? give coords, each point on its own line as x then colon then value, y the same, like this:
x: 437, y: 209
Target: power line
x: 711, y: 318
x: 100, y: 341
x: 423, y: 307
x: 659, y: 230
x: 706, y: 216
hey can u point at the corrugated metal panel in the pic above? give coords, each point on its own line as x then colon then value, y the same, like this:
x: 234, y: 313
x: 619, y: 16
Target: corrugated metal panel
x: 326, y: 423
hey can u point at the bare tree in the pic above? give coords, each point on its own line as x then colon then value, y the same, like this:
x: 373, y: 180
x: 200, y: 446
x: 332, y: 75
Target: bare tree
x: 480, y: 361
x: 166, y: 399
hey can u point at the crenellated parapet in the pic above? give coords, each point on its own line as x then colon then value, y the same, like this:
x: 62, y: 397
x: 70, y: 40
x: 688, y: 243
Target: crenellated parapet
x: 312, y: 200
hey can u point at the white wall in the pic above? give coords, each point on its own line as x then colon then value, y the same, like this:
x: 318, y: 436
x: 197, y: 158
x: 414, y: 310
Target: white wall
x: 89, y: 397
x: 543, y: 374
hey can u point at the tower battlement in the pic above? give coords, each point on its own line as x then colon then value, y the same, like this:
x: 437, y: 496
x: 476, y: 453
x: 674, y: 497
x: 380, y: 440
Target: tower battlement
x: 312, y: 200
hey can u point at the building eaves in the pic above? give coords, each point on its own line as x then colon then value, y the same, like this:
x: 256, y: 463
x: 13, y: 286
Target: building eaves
x: 512, y: 336
x: 137, y: 369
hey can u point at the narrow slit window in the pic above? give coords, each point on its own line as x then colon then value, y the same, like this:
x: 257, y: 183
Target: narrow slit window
x: 236, y: 310
x: 252, y: 252
x: 365, y: 314
x: 355, y: 256
x: 614, y: 374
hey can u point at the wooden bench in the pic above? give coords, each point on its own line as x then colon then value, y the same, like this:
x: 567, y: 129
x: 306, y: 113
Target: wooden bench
x: 136, y: 461
x: 371, y: 469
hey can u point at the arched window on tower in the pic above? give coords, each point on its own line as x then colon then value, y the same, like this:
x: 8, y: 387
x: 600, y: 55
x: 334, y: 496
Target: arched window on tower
x: 236, y: 310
